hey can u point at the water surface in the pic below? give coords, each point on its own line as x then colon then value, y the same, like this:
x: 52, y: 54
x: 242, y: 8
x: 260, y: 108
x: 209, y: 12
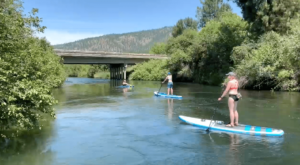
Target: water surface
x: 99, y: 124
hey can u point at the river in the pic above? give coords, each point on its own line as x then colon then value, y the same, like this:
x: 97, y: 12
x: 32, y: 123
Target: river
x: 99, y: 124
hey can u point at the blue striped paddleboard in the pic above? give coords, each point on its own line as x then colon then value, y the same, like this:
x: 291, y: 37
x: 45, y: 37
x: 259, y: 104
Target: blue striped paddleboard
x: 167, y: 96
x: 219, y: 126
x: 126, y: 86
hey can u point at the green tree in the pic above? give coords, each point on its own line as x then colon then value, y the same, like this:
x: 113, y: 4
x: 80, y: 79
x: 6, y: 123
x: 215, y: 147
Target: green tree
x: 81, y: 70
x: 29, y: 69
x: 210, y: 9
x: 272, y: 62
x: 183, y: 24
x: 153, y: 70
x: 269, y: 15
x: 218, y: 38
x: 158, y: 48
x: 250, y: 8
x: 203, y: 56
x: 181, y: 49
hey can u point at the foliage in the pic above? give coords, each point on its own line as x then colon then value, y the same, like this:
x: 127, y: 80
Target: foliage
x: 75, y: 70
x: 29, y: 70
x: 158, y: 48
x: 102, y: 75
x: 270, y: 15
x: 272, y: 62
x: 183, y: 24
x: 151, y: 70
x: 135, y: 42
x: 181, y: 49
x: 210, y: 10
x: 250, y: 8
x: 203, y: 56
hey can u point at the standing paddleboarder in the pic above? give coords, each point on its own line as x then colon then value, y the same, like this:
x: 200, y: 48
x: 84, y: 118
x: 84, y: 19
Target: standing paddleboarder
x: 170, y: 83
x: 232, y: 87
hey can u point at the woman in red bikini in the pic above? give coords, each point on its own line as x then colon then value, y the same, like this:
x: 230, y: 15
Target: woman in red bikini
x: 232, y: 86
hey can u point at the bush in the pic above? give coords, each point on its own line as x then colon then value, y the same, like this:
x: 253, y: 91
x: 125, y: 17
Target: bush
x: 29, y: 70
x: 81, y: 70
x: 203, y: 56
x: 153, y: 70
x: 272, y: 62
x: 158, y: 48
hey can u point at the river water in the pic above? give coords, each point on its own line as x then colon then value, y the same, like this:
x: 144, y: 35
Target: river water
x: 99, y: 124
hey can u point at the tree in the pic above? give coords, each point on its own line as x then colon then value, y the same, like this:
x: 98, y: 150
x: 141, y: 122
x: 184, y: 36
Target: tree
x: 183, y: 24
x: 250, y: 8
x: 181, y: 49
x: 29, y: 70
x: 269, y: 15
x: 158, y: 48
x: 210, y: 9
x: 272, y: 62
x: 218, y: 38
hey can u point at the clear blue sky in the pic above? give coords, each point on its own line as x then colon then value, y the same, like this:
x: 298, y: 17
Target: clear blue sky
x: 70, y: 20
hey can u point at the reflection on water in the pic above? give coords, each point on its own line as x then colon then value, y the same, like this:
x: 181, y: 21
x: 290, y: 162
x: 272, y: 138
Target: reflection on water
x: 170, y: 108
x: 98, y: 123
x: 234, y: 148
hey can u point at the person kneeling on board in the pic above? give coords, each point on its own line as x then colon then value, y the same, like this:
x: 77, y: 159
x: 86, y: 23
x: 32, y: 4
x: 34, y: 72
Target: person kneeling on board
x: 124, y: 83
x: 170, y: 83
x: 232, y: 87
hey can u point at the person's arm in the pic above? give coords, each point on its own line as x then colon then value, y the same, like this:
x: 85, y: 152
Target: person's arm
x: 165, y: 79
x: 226, y: 90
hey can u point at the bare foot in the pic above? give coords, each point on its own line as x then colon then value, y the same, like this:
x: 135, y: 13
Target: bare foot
x: 236, y: 124
x: 229, y: 125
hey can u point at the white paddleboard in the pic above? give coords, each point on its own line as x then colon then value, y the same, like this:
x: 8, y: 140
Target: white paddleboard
x: 217, y: 125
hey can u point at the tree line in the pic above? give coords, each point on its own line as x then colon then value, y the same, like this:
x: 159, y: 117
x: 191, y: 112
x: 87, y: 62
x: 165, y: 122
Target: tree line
x: 262, y: 47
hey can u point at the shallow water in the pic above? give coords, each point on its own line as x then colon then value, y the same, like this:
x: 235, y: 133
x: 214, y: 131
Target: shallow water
x: 98, y: 123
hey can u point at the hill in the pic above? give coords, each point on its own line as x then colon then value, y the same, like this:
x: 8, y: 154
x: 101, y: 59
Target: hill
x: 134, y: 42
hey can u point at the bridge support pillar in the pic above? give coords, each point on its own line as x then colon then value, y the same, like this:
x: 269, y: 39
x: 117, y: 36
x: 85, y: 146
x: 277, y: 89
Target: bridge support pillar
x: 114, y: 73
x: 124, y: 71
x: 111, y: 72
x: 119, y: 75
x: 118, y: 71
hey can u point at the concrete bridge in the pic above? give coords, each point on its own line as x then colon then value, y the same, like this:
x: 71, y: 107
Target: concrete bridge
x: 118, y: 61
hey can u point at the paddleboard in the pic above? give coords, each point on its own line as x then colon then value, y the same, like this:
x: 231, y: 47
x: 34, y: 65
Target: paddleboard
x: 167, y: 96
x: 125, y: 86
x: 217, y: 125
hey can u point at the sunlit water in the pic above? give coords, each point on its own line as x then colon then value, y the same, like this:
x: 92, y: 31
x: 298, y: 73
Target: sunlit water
x: 99, y: 124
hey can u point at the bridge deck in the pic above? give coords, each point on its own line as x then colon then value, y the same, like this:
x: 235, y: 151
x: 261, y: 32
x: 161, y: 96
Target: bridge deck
x: 102, y: 54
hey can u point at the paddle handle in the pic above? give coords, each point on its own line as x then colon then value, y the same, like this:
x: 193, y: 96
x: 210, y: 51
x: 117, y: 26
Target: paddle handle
x: 211, y: 120
x: 159, y: 88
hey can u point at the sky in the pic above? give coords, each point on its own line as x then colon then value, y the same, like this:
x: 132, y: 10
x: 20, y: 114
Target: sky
x: 71, y: 20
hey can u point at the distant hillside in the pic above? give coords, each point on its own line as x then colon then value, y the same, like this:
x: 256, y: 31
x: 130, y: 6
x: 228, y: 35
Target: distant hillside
x: 134, y: 42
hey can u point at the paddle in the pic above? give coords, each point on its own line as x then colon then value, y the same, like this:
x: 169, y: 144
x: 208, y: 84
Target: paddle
x: 207, y: 130
x: 159, y: 89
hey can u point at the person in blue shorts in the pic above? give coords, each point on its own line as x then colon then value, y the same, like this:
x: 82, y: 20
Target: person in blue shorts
x: 170, y: 83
